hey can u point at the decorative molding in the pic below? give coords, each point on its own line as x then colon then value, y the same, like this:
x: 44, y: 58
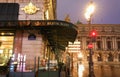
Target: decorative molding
x: 30, y: 8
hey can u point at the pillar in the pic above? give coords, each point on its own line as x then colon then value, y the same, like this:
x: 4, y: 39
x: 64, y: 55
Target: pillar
x: 18, y: 41
x: 84, y: 43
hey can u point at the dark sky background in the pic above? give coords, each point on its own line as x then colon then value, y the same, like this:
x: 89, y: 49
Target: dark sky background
x: 106, y: 11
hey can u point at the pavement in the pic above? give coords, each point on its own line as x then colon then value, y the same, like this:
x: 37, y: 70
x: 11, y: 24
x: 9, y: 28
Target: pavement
x: 2, y: 75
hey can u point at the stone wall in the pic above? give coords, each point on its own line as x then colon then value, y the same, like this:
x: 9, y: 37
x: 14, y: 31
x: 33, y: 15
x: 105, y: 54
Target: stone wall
x: 32, y: 48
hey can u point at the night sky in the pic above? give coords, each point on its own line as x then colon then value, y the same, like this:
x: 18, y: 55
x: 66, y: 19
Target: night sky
x: 106, y: 11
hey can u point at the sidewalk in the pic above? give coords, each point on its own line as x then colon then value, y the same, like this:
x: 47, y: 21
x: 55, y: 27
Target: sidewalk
x: 2, y: 75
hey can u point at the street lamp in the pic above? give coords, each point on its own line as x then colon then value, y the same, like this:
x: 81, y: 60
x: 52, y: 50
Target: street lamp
x: 89, y: 12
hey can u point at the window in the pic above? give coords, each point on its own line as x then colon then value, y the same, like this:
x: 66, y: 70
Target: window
x: 119, y: 58
x: 87, y: 43
x: 98, y: 45
x: 109, y: 45
x: 118, y: 43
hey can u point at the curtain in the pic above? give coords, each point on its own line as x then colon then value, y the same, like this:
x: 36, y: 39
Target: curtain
x: 9, y: 11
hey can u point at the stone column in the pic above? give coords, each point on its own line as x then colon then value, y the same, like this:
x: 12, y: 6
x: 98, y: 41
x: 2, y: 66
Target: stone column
x: 116, y: 56
x: 83, y: 43
x: 113, y: 42
x: 105, y: 57
x: 95, y: 45
x: 18, y: 41
x: 105, y: 43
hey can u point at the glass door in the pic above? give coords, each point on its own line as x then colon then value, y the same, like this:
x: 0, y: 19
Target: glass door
x: 6, y: 49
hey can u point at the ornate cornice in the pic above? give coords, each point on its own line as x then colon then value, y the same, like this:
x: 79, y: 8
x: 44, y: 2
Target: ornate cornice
x: 103, y: 29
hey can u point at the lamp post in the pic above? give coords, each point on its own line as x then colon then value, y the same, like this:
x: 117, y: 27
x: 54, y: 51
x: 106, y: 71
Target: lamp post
x: 88, y: 15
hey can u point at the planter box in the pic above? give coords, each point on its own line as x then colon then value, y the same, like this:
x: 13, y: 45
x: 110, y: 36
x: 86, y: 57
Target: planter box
x: 22, y: 74
x: 48, y: 74
x: 2, y: 75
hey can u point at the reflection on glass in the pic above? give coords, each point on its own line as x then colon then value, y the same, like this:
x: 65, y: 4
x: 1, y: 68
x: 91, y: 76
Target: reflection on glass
x: 6, y: 49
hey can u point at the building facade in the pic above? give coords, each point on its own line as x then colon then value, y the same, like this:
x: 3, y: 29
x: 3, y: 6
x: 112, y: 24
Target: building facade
x: 29, y: 32
x: 14, y: 41
x: 106, y: 49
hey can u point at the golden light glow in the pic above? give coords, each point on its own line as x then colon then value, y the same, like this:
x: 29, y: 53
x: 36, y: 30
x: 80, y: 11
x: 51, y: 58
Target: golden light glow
x: 30, y: 8
x: 1, y: 51
x: 47, y: 14
x: 7, y: 42
x: 89, y: 11
x: 80, y: 55
x: 2, y: 64
x: 10, y: 51
x: 2, y: 33
x: 80, y: 70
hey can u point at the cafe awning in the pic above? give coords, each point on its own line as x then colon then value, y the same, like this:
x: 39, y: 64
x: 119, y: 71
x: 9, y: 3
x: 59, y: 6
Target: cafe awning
x: 58, y: 33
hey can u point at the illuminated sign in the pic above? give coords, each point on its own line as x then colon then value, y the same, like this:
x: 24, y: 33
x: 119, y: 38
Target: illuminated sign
x: 74, y: 47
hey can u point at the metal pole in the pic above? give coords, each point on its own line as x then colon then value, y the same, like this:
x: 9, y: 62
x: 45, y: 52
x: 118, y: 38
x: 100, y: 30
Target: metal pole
x: 37, y: 75
x: 91, y: 67
x: 38, y: 63
x: 34, y: 64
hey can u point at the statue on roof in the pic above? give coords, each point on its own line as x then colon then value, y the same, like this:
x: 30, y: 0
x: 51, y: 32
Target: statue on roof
x: 67, y: 18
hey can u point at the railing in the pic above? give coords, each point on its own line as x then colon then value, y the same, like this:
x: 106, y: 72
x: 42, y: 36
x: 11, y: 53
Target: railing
x: 12, y: 70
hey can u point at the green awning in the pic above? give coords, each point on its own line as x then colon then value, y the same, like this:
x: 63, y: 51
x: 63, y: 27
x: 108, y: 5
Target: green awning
x: 58, y: 33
